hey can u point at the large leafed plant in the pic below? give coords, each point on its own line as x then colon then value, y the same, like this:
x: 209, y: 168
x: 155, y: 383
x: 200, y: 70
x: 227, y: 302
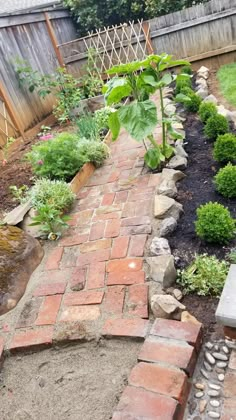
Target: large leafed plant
x: 138, y: 80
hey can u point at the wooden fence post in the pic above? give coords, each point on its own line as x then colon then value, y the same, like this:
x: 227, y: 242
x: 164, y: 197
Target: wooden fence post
x: 11, y: 110
x: 54, y: 40
x: 146, y: 31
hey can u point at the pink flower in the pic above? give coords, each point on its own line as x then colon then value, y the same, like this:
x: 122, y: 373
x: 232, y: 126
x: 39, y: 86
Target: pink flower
x: 40, y: 162
x: 46, y: 137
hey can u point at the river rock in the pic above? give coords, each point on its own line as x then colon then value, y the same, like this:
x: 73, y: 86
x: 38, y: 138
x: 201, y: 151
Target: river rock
x: 177, y: 294
x: 160, y: 246
x: 179, y: 150
x: 167, y: 187
x: 220, y: 356
x: 200, y: 386
x: 177, y: 162
x: 202, y: 92
x: 200, y: 81
x: 209, y: 345
x: 221, y: 377
x: 199, y: 394
x: 166, y: 207
x: 172, y: 174
x: 211, y: 98
x: 213, y: 415
x: 164, y: 306
x: 20, y: 254
x: 221, y: 365
x: 204, y: 373
x: 214, y: 403
x: 209, y: 358
x: 162, y: 270
x: 187, y: 317
x: 213, y: 393
x: 202, y: 406
x: 225, y: 112
x: 207, y: 366
x: 214, y: 386
x: 203, y: 72
x: 168, y: 226
x: 225, y: 350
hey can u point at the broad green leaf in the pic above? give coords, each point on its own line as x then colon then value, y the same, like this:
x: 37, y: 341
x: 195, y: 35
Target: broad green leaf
x: 166, y: 79
x: 117, y: 89
x: 181, y: 98
x: 172, y: 63
x: 114, y: 124
x: 138, y: 118
x: 152, y: 158
x: 129, y: 67
x: 183, y: 76
x: 173, y: 133
x: 169, y: 151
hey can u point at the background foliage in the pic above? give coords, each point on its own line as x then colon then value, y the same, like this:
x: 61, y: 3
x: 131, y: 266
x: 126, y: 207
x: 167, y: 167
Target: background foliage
x: 92, y: 14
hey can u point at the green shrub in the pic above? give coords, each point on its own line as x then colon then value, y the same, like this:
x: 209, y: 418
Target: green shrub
x: 101, y: 119
x: 205, y: 276
x: 216, y: 125
x: 57, y: 194
x: 207, y: 110
x: 181, y: 84
x: 225, y: 148
x: 87, y: 127
x: 186, y: 70
x: 61, y: 158
x: 214, y: 223
x: 194, y: 103
x: 225, y: 181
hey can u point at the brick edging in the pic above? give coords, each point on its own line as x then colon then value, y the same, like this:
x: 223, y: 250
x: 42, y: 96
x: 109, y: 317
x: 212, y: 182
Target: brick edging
x: 158, y: 385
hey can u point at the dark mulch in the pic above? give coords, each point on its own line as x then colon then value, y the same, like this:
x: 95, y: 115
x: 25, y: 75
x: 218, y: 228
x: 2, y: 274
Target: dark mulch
x: 196, y: 189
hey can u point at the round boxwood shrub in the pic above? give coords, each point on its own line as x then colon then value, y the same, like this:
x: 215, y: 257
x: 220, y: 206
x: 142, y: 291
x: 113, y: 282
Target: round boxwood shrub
x: 225, y: 148
x: 216, y: 125
x: 225, y: 181
x: 207, y: 110
x: 186, y: 70
x: 214, y: 223
x: 182, y: 84
x: 194, y: 103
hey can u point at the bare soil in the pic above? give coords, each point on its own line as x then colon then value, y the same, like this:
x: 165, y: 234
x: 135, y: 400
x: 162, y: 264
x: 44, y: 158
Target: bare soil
x: 83, y: 382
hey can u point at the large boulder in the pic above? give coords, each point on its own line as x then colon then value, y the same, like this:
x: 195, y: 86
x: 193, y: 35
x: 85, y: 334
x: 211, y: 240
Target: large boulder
x: 167, y: 226
x: 20, y: 254
x: 160, y: 246
x: 162, y: 270
x: 166, y: 207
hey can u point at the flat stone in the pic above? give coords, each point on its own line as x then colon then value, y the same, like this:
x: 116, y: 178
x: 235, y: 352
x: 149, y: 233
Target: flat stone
x: 166, y: 207
x: 177, y: 294
x: 172, y: 175
x: 213, y: 415
x: 211, y: 98
x: 162, y: 270
x: 202, y: 406
x: 209, y: 358
x: 213, y: 393
x: 187, y: 317
x: 214, y: 386
x: 163, y: 306
x: 167, y: 187
x: 220, y: 356
x: 17, y: 215
x: 177, y: 162
x: 199, y: 394
x: 179, y: 150
x: 168, y: 226
x: 221, y: 365
x: 20, y: 254
x: 221, y: 377
x: 160, y: 246
x: 214, y: 403
x: 225, y: 313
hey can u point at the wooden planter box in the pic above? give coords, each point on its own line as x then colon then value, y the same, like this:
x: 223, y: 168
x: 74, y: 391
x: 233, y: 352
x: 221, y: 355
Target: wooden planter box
x: 89, y: 105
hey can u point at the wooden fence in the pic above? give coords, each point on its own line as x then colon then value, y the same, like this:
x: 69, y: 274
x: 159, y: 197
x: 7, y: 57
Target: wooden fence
x: 32, y: 37
x: 196, y: 33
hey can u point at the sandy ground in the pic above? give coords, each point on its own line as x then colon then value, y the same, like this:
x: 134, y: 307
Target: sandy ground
x: 83, y: 382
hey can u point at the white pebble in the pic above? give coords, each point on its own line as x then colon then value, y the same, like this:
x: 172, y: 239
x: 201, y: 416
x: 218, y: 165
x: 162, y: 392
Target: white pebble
x: 214, y: 386
x: 220, y: 356
x: 199, y: 386
x: 213, y: 393
x: 199, y: 394
x: 225, y: 350
x: 216, y: 347
x: 213, y: 415
x: 204, y: 373
x: 221, y: 365
x: 207, y: 366
x: 209, y: 345
x: 214, y: 403
x: 210, y: 358
x: 221, y: 377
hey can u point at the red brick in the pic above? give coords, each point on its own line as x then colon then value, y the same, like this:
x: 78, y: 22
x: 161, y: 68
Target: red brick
x: 114, y: 176
x: 230, y: 384
x: 112, y: 229
x: 143, y: 208
x: 136, y: 221
x: 155, y: 180
x: 120, y: 247
x: 232, y: 360
x: 80, y: 313
x: 142, y: 196
x: 126, y: 327
x: 97, y: 231
x: 125, y: 277
x: 96, y: 275
x: 172, y: 352
x: 128, y: 264
x: 55, y: 276
x: 54, y: 259
x: 83, y: 193
x: 95, y: 245
x: 50, y: 289
x: 108, y: 199
x: 109, y: 209
x: 93, y: 257
x: 137, y: 403
x: 229, y: 409
x: 161, y: 379
x: 78, y: 279
x: 137, y: 245
x: 128, y: 210
x: 137, y: 302
x: 73, y: 240
x: 30, y: 339
x: 83, y: 298
x: 129, y: 164
x: 185, y: 331
x: 121, y: 197
x: 49, y: 310
x: 97, y: 180
x: 135, y: 230
x: 114, y: 299
x: 81, y: 218
x: 106, y: 216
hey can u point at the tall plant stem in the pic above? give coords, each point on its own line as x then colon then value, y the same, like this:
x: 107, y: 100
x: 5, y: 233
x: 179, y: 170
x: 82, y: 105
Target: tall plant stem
x: 163, y: 124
